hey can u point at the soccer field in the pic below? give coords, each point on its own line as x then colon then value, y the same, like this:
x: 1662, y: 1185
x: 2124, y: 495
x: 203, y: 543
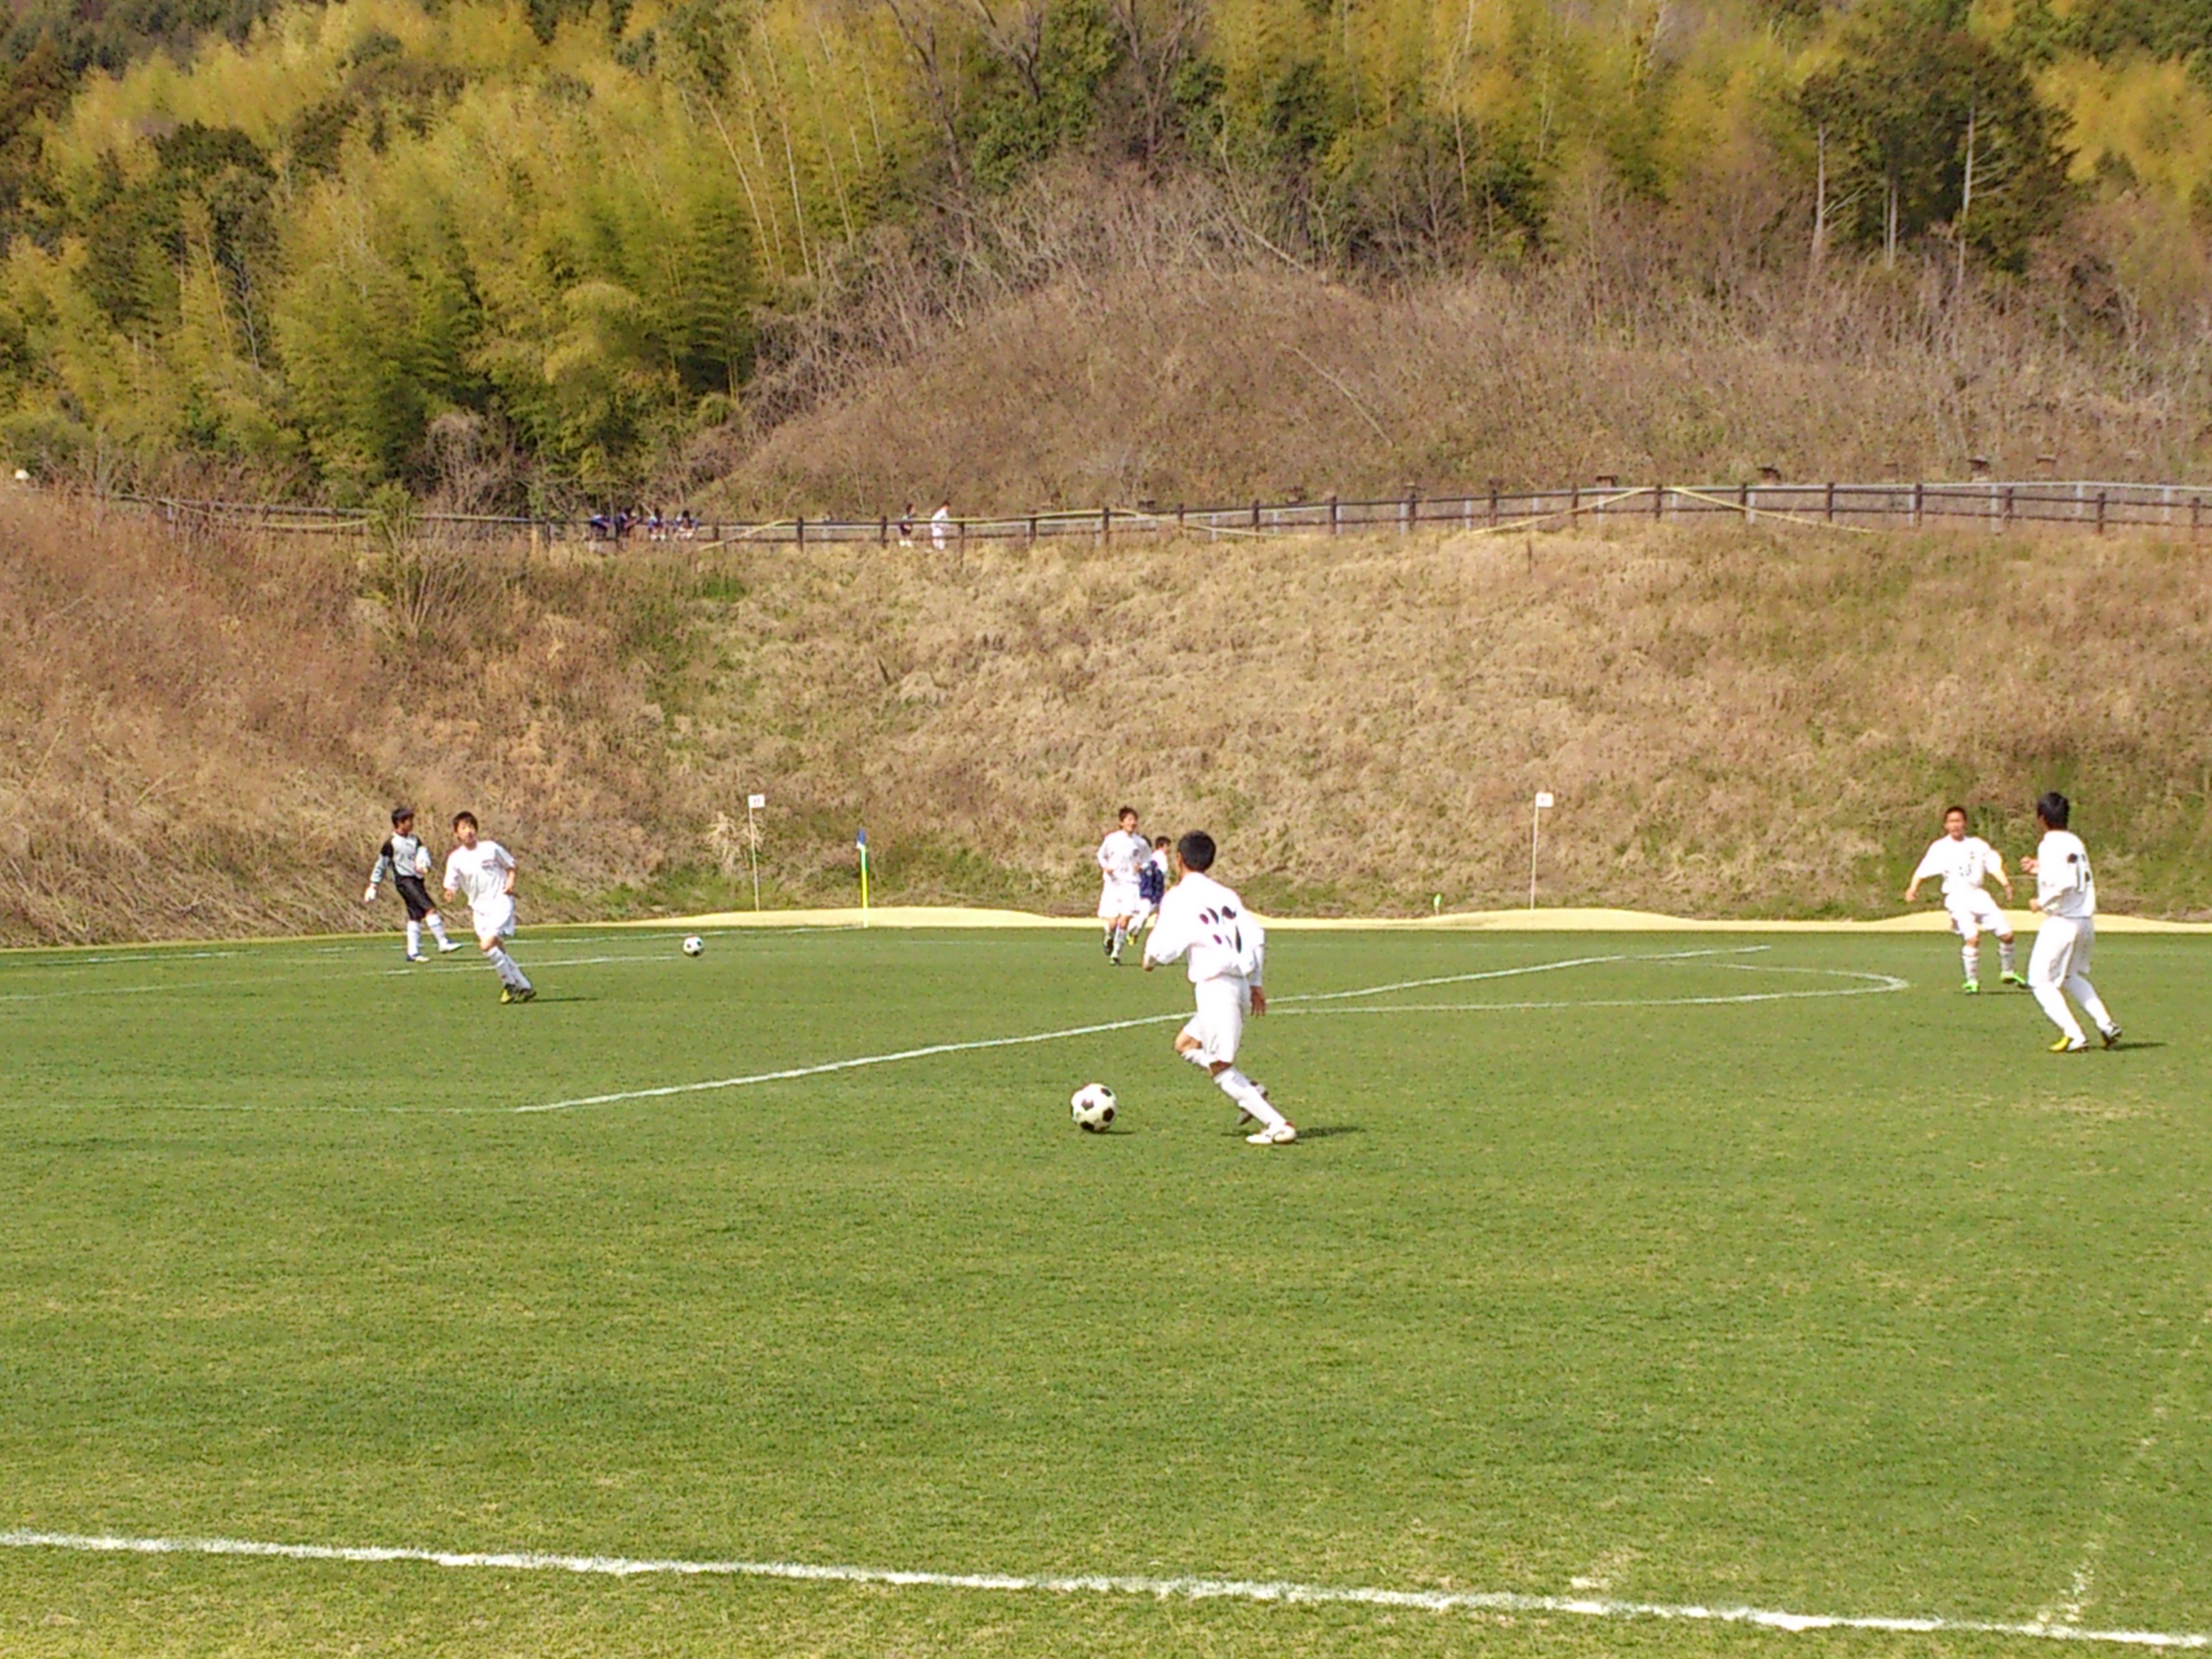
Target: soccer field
x: 1734, y: 1272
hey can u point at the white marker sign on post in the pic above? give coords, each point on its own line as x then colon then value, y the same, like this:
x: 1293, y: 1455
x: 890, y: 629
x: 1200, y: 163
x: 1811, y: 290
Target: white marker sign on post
x: 753, y: 803
x: 1536, y: 834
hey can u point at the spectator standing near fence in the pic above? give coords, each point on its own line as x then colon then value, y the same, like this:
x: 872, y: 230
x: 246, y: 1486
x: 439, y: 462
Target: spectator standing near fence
x: 940, y: 525
x: 906, y: 526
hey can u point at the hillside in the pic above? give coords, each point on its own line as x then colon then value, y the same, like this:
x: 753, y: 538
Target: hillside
x: 204, y: 737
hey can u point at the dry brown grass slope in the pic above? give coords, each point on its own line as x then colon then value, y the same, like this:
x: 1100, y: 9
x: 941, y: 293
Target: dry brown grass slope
x: 202, y: 737
x: 1186, y: 386
x: 1733, y: 724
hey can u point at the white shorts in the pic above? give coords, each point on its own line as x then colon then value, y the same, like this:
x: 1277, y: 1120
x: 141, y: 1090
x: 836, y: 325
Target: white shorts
x: 1218, y: 1025
x: 494, y: 919
x: 1120, y: 898
x: 2062, y: 949
x: 1975, y: 912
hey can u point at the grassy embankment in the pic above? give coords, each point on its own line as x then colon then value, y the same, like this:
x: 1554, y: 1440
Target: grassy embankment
x: 204, y: 735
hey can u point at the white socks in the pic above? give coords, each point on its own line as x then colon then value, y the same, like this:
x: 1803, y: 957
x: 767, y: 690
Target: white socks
x: 2007, y: 958
x: 508, y: 973
x: 437, y: 925
x: 1246, y: 1093
x: 414, y: 939
x: 1972, y: 956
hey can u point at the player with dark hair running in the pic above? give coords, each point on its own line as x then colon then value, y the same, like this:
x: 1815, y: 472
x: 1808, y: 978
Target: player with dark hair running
x: 407, y: 861
x: 484, y: 871
x: 1228, y: 952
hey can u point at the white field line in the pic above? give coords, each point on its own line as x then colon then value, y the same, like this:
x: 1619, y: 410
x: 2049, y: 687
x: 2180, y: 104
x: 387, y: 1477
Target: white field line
x: 2081, y: 1587
x: 1884, y: 984
x: 1183, y: 1589
x: 820, y: 1068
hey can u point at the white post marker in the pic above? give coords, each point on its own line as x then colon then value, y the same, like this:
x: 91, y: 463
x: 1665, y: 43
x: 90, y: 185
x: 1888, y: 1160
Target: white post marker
x: 1535, y: 834
x: 753, y: 803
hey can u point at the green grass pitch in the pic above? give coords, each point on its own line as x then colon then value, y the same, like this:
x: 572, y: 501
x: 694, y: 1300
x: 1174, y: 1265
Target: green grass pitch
x: 1595, y: 1280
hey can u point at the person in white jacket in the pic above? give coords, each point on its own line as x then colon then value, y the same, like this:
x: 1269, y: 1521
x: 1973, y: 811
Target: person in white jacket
x: 1206, y: 921
x: 2066, y: 893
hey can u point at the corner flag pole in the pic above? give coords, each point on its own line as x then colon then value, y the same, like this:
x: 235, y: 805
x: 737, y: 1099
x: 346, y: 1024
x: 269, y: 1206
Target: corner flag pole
x: 1536, y: 834
x: 861, y: 841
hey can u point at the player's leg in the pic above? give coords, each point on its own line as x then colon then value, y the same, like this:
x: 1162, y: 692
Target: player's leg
x: 1969, y: 948
x: 1220, y: 1029
x: 1989, y: 918
x: 418, y: 905
x: 2049, y: 965
x: 494, y: 928
x: 2078, y: 986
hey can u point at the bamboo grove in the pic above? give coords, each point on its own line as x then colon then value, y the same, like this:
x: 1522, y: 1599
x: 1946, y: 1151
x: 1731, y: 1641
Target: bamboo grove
x: 301, y: 243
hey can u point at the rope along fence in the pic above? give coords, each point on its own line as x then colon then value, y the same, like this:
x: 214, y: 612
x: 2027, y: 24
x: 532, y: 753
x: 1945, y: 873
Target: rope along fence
x: 2081, y: 505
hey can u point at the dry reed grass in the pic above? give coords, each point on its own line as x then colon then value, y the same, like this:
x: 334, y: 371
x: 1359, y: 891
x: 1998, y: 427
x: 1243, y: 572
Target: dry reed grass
x: 1177, y: 383
x: 1734, y: 723
x: 203, y: 736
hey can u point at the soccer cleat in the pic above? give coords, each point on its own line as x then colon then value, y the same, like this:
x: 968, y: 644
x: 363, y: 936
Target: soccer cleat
x: 1281, y: 1135
x: 2015, y: 981
x: 449, y: 947
x: 2112, y: 1037
x: 506, y: 994
x: 527, y: 993
x: 416, y: 956
x: 2066, y: 1045
x: 1973, y: 988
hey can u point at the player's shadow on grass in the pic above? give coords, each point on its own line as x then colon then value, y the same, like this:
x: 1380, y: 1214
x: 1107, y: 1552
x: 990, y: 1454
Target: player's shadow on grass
x: 2126, y: 1043
x: 1323, y: 1133
x: 570, y: 996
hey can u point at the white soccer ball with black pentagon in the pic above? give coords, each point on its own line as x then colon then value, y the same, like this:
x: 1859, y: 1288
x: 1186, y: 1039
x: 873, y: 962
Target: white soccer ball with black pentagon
x: 693, y: 944
x: 1092, y: 1106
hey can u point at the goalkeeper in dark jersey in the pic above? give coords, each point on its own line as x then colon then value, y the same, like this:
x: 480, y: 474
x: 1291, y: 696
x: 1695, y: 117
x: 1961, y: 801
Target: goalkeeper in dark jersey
x: 407, y: 861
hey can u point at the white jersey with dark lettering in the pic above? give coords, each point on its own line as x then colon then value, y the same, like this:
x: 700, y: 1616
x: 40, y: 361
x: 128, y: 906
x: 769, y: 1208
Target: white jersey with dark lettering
x: 2063, y: 884
x: 1206, y: 920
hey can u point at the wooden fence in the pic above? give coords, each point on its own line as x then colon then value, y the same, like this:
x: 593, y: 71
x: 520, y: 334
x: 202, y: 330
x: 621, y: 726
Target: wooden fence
x: 2083, y: 505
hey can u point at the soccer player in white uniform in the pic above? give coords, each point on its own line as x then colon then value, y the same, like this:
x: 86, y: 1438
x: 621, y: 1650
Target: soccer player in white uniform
x: 484, y: 871
x: 1963, y: 862
x: 2066, y: 893
x: 1228, y: 952
x: 407, y: 861
x: 1121, y: 855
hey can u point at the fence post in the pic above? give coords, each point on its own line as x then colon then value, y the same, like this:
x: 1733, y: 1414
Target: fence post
x: 1105, y: 524
x: 1658, y: 502
x: 2100, y: 512
x: 883, y: 530
x: 1574, y: 502
x: 1743, y: 502
x: 1412, y: 507
x: 801, y: 522
x: 1332, y: 526
x: 1178, y: 515
x: 1255, y: 516
x: 1829, y: 503
x: 1033, y: 518
x: 2008, y: 507
x: 2196, y: 515
x: 1919, y: 500
x: 960, y: 531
